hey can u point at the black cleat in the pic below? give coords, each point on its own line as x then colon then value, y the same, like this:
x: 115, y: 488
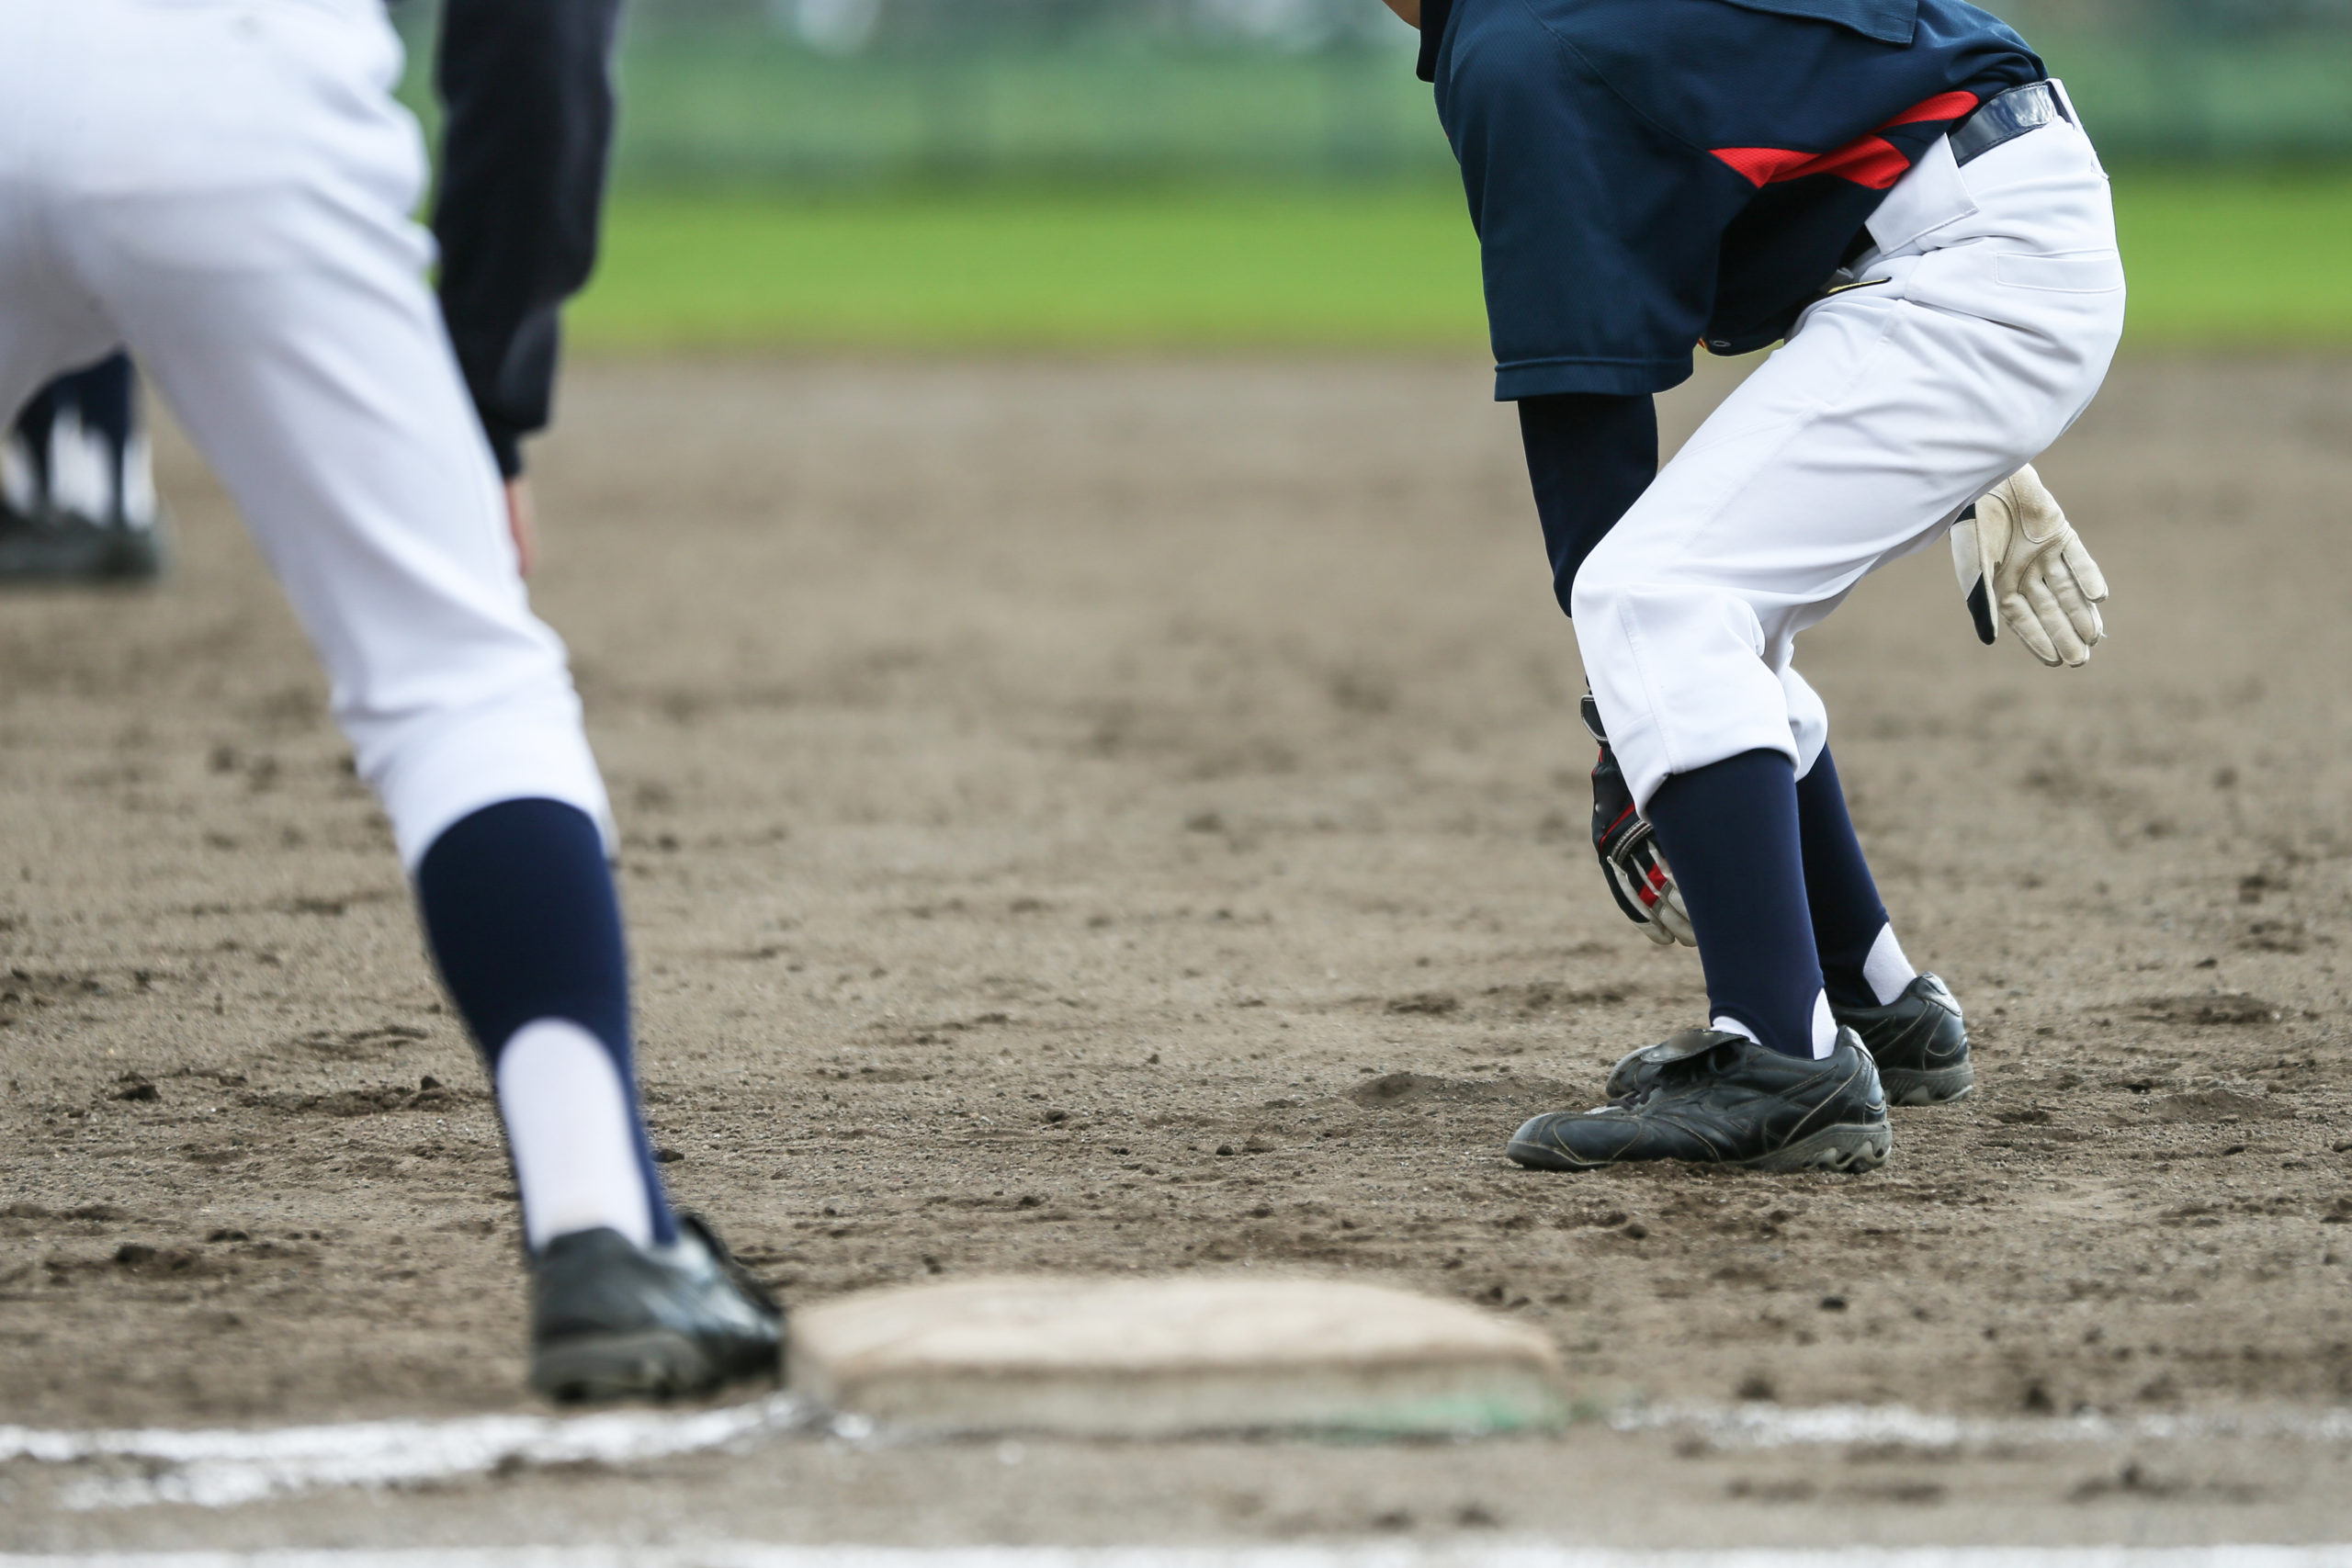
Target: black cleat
x: 64, y: 546
x: 1919, y: 1043
x: 1714, y: 1097
x: 612, y: 1320
x: 77, y: 488
x: 1917, y: 1040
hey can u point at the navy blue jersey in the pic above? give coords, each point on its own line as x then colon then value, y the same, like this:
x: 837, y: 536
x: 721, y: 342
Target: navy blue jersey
x: 1648, y: 175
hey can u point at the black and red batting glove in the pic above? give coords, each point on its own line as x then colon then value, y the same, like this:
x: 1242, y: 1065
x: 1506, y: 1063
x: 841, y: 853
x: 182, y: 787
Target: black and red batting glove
x: 1638, y: 877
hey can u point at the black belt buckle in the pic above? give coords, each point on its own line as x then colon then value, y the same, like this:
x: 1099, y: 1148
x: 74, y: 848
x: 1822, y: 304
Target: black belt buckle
x: 2005, y: 117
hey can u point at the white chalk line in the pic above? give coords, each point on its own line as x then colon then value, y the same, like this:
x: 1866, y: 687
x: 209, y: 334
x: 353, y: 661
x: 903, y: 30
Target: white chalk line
x: 1772, y: 1426
x: 227, y: 1467
x: 1465, y: 1554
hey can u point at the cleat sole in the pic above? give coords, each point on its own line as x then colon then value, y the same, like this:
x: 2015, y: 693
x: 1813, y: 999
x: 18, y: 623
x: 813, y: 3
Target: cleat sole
x: 1924, y: 1086
x: 653, y: 1364
x: 1849, y: 1148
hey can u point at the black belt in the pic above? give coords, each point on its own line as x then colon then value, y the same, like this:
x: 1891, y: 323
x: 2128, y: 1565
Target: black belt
x: 2005, y: 117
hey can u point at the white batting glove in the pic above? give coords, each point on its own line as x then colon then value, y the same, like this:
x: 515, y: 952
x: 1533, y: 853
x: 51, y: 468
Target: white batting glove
x: 2015, y: 550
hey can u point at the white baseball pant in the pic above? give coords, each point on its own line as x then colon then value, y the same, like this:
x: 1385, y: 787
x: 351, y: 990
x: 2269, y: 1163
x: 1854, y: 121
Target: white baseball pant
x: 224, y: 187
x: 1988, y: 313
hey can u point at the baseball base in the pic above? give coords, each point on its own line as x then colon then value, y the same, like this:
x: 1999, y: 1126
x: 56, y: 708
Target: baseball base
x: 1155, y: 1358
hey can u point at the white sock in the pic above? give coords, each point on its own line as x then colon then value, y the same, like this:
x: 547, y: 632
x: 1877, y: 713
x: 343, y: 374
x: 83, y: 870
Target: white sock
x: 571, y: 1133
x: 1886, y: 972
x: 1824, y: 1027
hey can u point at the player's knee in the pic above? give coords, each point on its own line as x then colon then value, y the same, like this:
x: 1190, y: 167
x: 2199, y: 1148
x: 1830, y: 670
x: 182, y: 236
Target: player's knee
x: 1808, y: 720
x: 1586, y: 602
x: 1624, y: 611
x: 1564, y: 576
x: 1594, y: 589
x: 1809, y: 733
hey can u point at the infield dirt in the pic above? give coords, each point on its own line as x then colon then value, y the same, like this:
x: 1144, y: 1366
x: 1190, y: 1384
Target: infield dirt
x: 1109, y: 815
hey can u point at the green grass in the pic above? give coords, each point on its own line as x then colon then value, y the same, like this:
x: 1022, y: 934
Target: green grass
x: 2228, y: 259
x: 1041, y: 270
x: 2216, y: 258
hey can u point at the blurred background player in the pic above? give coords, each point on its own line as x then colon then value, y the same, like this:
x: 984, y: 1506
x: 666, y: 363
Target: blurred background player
x: 1896, y: 189
x: 77, y: 483
x: 225, y: 191
x: 526, y: 87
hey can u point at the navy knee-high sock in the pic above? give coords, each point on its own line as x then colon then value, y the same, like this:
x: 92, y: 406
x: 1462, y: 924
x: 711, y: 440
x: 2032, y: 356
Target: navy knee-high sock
x: 1847, y: 912
x: 519, y: 908
x: 1590, y: 456
x: 1729, y: 831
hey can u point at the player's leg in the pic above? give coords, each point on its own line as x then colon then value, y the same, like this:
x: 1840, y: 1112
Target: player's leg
x: 286, y: 319
x: 378, y: 507
x: 1590, y: 456
x: 1863, y: 963
x: 1908, y: 1022
x: 77, y: 489
x: 46, y: 325
x: 1890, y: 407
x: 1849, y: 919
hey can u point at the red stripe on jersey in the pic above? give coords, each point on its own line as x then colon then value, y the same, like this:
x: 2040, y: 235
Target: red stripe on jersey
x: 1871, y: 161
x: 1943, y: 105
x: 1763, y: 166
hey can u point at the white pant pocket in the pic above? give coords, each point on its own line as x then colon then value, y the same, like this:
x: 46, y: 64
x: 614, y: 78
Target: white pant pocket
x: 2066, y: 272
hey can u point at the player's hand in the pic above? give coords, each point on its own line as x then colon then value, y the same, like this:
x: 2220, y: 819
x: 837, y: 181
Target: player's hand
x: 1637, y: 874
x: 2016, y: 552
x: 523, y: 524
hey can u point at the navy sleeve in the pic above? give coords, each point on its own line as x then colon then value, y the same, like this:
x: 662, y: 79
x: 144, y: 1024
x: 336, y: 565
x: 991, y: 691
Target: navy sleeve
x: 528, y: 92
x: 1590, y: 456
x: 1433, y: 14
